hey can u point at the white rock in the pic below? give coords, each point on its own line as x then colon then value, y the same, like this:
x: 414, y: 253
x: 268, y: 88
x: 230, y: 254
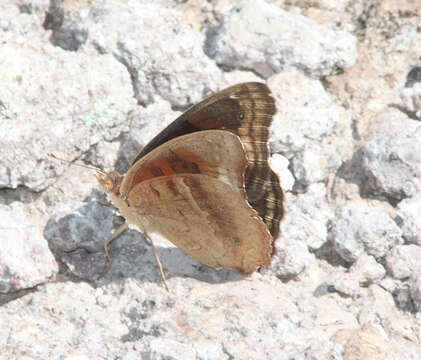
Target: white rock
x: 360, y: 229
x: 25, y: 259
x: 415, y: 290
x: 391, y: 164
x: 307, y: 217
x: 367, y: 270
x: 408, y: 216
x: 411, y: 98
x: 403, y: 261
x: 279, y: 165
x: 262, y: 37
x: 305, y: 125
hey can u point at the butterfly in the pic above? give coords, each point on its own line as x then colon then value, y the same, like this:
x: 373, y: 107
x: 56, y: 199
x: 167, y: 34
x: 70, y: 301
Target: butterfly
x: 205, y: 184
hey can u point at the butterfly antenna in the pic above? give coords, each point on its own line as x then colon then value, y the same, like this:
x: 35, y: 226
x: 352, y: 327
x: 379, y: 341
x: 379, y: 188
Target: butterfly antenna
x: 158, y: 261
x: 72, y: 163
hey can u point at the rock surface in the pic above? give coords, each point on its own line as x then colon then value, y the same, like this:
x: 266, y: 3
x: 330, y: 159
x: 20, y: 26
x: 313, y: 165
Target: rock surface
x: 362, y: 229
x: 94, y: 81
x: 25, y: 259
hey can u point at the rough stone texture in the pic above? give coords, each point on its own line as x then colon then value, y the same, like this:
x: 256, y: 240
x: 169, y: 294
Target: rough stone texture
x: 391, y: 165
x: 409, y: 219
x: 308, y: 219
x: 25, y: 259
x: 360, y: 229
x: 369, y: 342
x: 137, y: 322
x: 271, y: 40
x: 411, y: 93
x: 368, y: 270
x: 364, y: 272
x: 306, y: 134
x: 403, y: 261
x: 292, y: 257
x: 80, y: 224
x: 162, y: 54
x: 347, y: 285
x: 415, y: 290
x: 45, y: 110
x: 145, y: 123
x: 381, y: 310
x: 93, y: 81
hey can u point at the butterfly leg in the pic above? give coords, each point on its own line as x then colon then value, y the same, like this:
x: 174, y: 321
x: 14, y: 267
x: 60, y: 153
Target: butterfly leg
x: 158, y: 261
x: 94, y: 249
x: 115, y: 234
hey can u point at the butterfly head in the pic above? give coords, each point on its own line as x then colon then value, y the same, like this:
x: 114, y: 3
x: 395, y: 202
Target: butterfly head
x: 109, y: 181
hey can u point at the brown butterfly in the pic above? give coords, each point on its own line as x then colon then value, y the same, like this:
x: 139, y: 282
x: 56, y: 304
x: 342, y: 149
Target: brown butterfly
x: 204, y: 182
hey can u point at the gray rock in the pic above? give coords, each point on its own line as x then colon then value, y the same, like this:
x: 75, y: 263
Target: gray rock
x: 162, y: 54
x: 66, y: 112
x: 348, y: 285
x: 33, y: 7
x: 402, y: 296
x: 307, y: 218
x: 81, y: 224
x: 363, y: 272
x: 69, y: 31
x: 290, y: 259
x: 146, y: 123
x: 360, y: 229
x: 305, y: 125
x: 134, y: 317
x: 391, y: 164
x: 403, y: 261
x: 381, y: 310
x: 305, y: 110
x: 415, y: 290
x: 165, y: 349
x: 411, y: 93
x: 409, y: 219
x: 414, y: 75
x: 411, y: 98
x: 238, y: 76
x: 275, y: 40
x: 104, y: 155
x: 367, y: 270
x: 21, y: 18
x: 25, y: 259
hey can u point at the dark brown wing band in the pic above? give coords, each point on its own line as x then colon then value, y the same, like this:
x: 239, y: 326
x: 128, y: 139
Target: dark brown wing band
x: 270, y: 206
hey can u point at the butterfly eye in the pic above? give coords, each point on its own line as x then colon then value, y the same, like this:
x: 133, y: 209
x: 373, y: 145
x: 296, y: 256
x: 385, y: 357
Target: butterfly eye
x: 241, y: 116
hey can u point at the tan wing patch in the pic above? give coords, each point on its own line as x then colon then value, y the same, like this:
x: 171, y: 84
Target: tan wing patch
x: 215, y: 153
x: 206, y: 218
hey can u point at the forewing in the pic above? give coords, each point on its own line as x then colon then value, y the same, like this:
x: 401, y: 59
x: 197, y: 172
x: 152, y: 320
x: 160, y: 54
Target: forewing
x: 216, y: 153
x: 246, y: 110
x: 206, y: 218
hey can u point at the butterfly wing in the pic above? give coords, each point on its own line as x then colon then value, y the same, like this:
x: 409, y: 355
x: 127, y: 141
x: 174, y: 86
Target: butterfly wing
x: 206, y: 218
x: 245, y: 110
x: 191, y: 190
x: 215, y: 153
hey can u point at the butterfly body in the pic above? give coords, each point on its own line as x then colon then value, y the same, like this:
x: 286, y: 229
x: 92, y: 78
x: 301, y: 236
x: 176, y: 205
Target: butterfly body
x: 204, y: 182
